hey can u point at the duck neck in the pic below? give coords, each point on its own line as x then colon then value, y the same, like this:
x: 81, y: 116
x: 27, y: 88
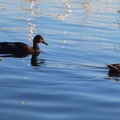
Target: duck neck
x: 36, y: 47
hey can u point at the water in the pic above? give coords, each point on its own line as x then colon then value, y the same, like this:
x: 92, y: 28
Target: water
x: 69, y: 80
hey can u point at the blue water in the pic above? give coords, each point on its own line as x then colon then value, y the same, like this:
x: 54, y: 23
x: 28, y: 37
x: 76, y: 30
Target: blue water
x: 69, y: 80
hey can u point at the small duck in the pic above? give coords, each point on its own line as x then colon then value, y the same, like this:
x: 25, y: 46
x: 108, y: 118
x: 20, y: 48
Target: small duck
x: 21, y: 48
x: 114, y: 68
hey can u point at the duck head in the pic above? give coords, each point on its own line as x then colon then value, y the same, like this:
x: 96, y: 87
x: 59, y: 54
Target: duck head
x: 39, y: 39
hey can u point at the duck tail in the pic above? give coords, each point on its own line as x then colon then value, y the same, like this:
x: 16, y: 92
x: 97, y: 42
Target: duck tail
x: 112, y: 67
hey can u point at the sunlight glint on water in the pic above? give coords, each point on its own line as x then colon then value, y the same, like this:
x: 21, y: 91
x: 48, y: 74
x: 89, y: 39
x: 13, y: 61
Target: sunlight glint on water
x: 69, y: 79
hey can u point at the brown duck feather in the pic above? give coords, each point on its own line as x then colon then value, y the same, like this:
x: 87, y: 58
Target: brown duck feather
x: 114, y: 67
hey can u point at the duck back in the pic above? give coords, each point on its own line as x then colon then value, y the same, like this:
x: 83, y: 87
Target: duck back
x: 14, y: 47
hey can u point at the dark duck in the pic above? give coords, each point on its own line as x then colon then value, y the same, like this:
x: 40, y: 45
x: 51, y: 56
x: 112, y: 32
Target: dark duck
x: 114, y: 67
x: 21, y: 48
x: 114, y: 70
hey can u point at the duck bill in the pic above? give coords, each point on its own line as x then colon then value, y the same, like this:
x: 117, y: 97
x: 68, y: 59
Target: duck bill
x: 44, y: 43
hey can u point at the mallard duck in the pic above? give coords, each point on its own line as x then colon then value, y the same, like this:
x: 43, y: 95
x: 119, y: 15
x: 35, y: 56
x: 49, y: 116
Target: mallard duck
x: 21, y: 48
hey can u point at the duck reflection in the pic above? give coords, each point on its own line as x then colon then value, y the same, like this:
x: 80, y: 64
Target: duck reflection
x: 113, y: 74
x: 34, y: 59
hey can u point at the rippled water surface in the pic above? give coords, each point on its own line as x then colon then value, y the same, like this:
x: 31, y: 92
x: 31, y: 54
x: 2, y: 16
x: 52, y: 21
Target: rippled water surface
x: 69, y: 79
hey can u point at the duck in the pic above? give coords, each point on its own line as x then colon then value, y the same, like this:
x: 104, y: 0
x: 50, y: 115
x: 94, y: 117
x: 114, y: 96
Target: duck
x: 115, y: 68
x: 22, y: 48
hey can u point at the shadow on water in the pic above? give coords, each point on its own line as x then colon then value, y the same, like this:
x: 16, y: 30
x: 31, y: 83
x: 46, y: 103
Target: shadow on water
x: 34, y: 59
